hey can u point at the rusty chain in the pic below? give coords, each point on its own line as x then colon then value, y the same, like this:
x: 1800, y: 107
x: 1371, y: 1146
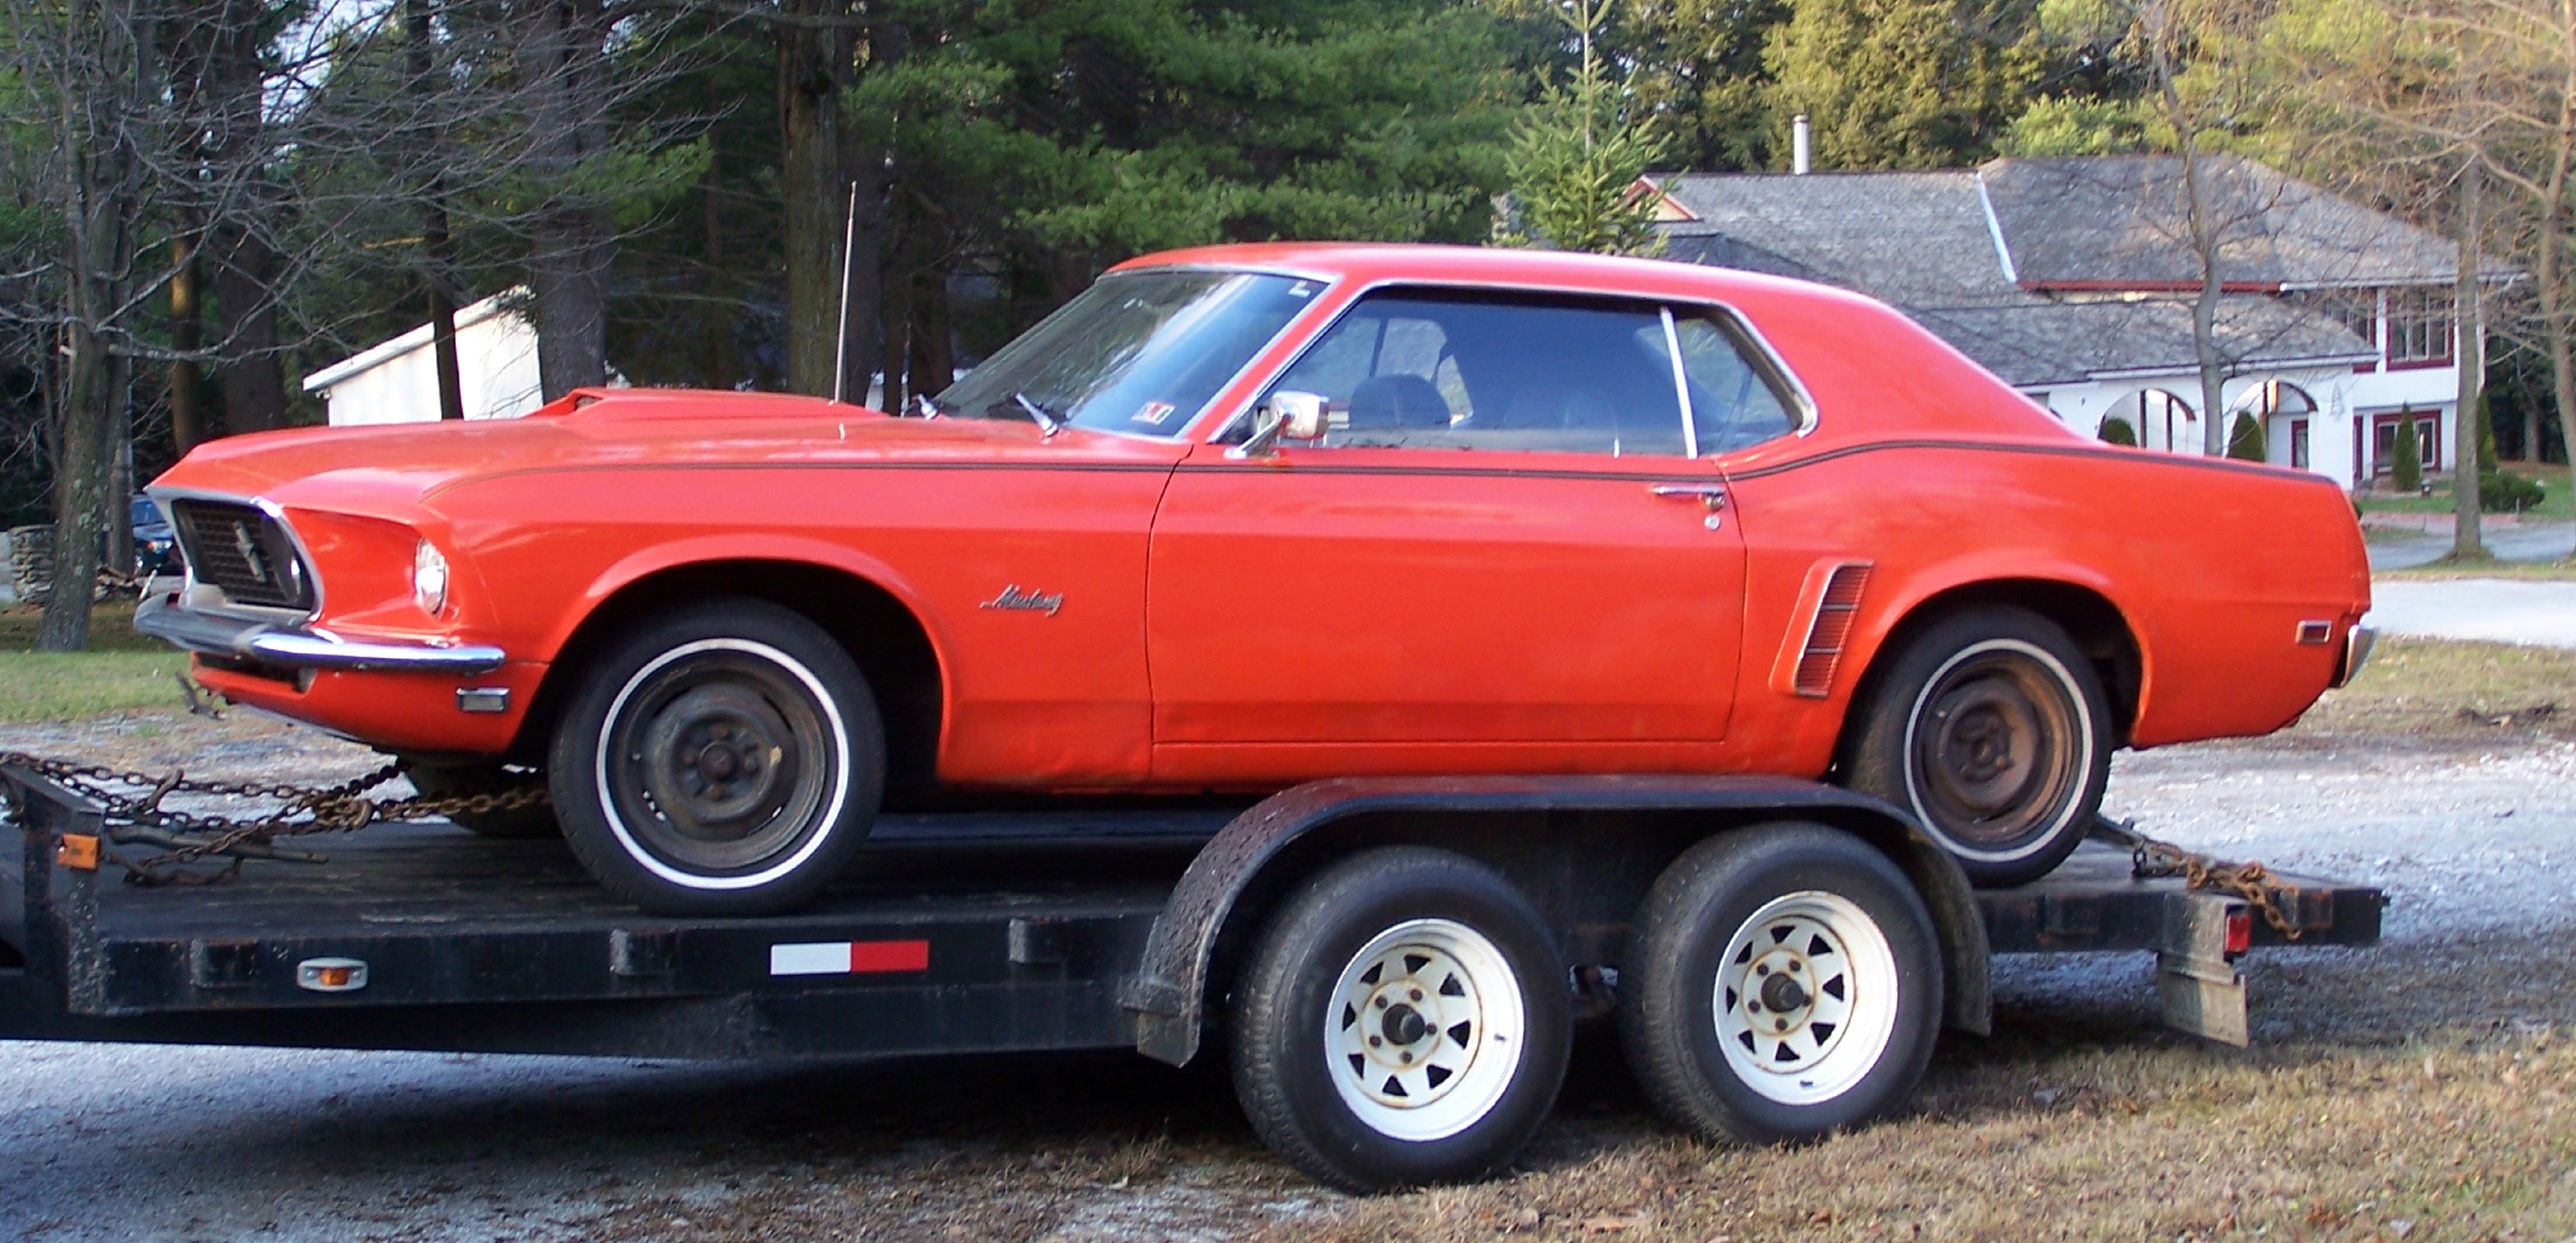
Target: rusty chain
x: 2149, y: 858
x: 134, y: 814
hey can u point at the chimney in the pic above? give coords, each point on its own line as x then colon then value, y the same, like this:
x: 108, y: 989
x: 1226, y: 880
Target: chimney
x: 1798, y: 145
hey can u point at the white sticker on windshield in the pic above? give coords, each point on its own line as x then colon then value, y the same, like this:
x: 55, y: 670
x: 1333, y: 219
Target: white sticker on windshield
x: 1300, y: 289
x: 1153, y: 413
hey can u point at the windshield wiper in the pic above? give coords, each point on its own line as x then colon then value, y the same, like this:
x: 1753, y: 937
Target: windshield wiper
x: 1047, y: 423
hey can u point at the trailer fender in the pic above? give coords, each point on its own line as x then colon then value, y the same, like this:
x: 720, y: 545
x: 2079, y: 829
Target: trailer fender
x: 1168, y: 995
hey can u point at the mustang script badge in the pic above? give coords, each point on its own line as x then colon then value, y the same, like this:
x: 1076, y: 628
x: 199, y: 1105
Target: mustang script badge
x: 1018, y: 601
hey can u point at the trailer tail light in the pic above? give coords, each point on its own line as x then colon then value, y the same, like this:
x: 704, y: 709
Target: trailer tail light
x: 2240, y: 931
x: 1826, y: 634
x: 331, y: 975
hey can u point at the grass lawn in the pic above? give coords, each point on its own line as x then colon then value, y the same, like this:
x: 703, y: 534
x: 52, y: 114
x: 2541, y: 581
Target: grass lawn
x: 2486, y: 567
x: 122, y: 672
x: 2421, y: 687
x: 2557, y: 503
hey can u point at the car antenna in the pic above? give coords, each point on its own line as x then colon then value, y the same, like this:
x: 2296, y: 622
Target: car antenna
x: 841, y: 337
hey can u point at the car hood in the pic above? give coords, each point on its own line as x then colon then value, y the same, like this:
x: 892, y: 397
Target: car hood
x: 396, y: 471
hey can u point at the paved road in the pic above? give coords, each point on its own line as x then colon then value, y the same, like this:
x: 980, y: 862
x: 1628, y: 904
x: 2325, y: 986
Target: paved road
x: 2492, y: 609
x: 2531, y: 541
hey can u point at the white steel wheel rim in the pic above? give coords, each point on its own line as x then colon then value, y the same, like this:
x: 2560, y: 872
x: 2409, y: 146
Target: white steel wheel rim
x: 1806, y: 998
x: 1466, y: 1025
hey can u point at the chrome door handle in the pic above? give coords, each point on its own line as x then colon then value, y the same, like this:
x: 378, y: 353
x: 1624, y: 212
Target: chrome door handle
x: 1712, y: 495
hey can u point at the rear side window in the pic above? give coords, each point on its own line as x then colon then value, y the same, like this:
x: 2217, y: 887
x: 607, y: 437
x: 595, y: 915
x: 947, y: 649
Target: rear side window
x: 1469, y: 371
x: 1735, y: 400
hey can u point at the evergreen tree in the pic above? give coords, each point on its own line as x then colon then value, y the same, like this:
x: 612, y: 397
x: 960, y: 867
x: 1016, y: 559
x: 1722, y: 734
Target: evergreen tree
x: 2245, y: 439
x: 2117, y: 431
x: 1576, y: 157
x: 2406, y: 461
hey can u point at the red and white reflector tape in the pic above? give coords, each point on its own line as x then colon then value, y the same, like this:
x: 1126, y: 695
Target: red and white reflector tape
x: 847, y: 957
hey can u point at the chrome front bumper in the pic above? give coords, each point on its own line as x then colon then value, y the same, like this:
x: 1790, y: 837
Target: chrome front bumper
x: 290, y: 647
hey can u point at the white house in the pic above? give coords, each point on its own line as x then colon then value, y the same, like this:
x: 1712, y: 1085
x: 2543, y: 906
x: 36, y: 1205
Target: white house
x: 2073, y: 279
x: 396, y: 381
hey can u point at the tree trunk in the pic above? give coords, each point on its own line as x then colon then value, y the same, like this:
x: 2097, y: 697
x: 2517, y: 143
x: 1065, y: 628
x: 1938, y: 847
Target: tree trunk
x: 238, y: 239
x: 812, y: 68
x: 2470, y: 324
x: 564, y: 66
x: 246, y: 320
x: 438, y: 258
x: 187, y: 320
x: 2158, y: 20
x: 896, y: 314
x: 81, y: 468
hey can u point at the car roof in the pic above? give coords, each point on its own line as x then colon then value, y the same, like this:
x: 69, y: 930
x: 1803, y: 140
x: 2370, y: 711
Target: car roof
x: 1371, y: 262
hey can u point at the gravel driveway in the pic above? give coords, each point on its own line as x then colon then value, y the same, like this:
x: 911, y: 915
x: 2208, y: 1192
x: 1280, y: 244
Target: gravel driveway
x: 2475, y: 841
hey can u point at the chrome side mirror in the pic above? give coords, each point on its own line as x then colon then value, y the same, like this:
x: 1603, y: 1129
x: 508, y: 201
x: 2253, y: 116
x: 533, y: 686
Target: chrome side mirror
x: 1287, y: 415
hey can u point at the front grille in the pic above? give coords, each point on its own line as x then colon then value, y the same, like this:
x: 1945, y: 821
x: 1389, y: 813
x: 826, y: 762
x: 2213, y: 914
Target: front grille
x: 243, y: 553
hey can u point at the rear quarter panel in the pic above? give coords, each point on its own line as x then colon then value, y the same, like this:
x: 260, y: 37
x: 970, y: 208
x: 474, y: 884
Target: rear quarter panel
x: 2212, y: 568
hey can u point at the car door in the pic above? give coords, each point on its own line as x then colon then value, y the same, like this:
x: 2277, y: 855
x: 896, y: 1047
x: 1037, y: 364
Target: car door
x: 1503, y: 539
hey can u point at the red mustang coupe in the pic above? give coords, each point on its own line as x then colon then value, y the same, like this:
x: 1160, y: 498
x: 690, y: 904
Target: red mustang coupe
x: 1242, y: 517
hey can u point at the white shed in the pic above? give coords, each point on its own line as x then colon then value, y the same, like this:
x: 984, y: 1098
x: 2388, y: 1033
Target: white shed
x: 396, y: 381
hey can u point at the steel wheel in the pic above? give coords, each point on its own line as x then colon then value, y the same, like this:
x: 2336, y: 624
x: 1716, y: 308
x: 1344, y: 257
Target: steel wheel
x: 1783, y: 982
x: 1806, y: 997
x: 1402, y: 1019
x: 1996, y: 747
x: 1424, y: 1032
x: 1992, y: 728
x: 721, y: 758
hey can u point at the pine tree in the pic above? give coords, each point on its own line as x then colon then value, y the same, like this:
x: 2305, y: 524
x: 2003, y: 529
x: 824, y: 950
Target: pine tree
x: 2406, y: 463
x: 2245, y: 439
x: 1576, y: 158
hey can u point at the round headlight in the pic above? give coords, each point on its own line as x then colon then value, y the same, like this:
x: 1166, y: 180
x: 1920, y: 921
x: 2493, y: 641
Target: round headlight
x: 429, y: 578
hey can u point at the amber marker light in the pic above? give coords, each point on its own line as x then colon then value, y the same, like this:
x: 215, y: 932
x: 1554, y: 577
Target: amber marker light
x: 331, y: 975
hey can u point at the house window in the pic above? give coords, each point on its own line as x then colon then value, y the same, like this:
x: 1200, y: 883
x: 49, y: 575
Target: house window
x: 2299, y: 443
x: 2355, y: 309
x: 2419, y: 325
x: 2428, y: 442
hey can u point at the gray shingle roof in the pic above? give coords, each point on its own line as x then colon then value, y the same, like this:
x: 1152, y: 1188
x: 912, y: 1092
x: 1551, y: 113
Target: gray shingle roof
x: 1925, y: 242
x: 2126, y: 220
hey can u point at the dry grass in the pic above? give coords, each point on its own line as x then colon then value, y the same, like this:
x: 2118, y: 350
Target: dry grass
x: 2488, y: 567
x: 2457, y: 1140
x: 2433, y: 688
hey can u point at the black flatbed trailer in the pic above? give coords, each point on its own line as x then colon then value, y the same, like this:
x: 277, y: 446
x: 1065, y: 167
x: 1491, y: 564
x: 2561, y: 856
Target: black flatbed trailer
x: 966, y: 933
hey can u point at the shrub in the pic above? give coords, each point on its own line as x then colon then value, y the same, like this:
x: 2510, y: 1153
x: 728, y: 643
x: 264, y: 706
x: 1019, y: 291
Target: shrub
x: 2116, y: 431
x: 2502, y: 492
x: 2406, y: 464
x: 2245, y: 439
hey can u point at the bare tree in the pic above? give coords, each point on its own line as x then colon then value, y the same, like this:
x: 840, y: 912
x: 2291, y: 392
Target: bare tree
x: 90, y: 70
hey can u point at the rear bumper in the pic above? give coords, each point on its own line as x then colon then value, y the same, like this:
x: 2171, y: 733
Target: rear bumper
x: 295, y: 647
x: 2357, y: 643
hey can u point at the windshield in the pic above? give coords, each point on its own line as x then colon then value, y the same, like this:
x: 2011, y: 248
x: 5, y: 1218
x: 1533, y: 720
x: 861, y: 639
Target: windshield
x: 1139, y: 352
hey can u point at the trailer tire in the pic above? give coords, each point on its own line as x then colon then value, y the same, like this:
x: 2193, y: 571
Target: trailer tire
x: 724, y: 758
x: 1405, y: 1020
x: 1993, y: 730
x: 1783, y: 984
x: 447, y: 781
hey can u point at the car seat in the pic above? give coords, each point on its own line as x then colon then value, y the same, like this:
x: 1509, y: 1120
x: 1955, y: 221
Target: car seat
x: 1397, y: 402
